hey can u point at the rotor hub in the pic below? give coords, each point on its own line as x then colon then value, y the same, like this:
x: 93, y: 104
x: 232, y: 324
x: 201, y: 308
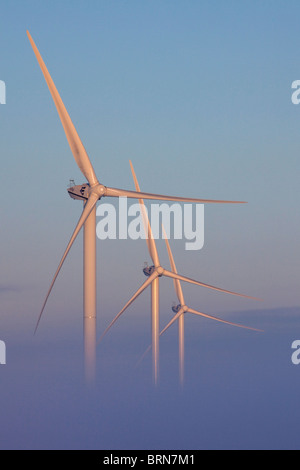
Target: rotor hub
x: 100, y: 189
x: 160, y: 270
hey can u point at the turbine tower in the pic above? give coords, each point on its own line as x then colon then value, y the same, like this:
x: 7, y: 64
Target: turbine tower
x: 153, y: 274
x: 89, y: 193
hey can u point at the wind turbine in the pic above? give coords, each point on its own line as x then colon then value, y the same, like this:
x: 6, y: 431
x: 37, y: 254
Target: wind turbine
x: 181, y: 309
x: 153, y: 274
x: 89, y: 193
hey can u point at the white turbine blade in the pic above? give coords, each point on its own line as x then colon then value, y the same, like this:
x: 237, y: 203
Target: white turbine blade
x: 144, y: 355
x: 190, y: 310
x: 135, y: 296
x: 177, y: 284
x: 192, y: 281
x: 148, y: 231
x: 77, y: 148
x: 114, y: 192
x: 173, y: 320
x: 91, y: 202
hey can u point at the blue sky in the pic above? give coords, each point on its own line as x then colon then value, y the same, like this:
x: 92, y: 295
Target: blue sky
x: 198, y: 96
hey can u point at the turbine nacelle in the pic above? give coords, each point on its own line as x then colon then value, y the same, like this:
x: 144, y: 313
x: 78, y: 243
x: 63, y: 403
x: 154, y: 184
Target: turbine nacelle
x: 176, y: 308
x: 148, y: 270
x: 83, y: 191
x: 80, y: 191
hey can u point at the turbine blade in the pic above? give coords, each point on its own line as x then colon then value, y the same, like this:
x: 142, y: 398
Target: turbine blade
x: 192, y: 281
x: 173, y: 320
x: 114, y: 192
x: 148, y: 231
x: 177, y: 283
x: 190, y: 310
x: 90, y: 204
x: 77, y: 148
x: 135, y: 296
x: 144, y: 355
